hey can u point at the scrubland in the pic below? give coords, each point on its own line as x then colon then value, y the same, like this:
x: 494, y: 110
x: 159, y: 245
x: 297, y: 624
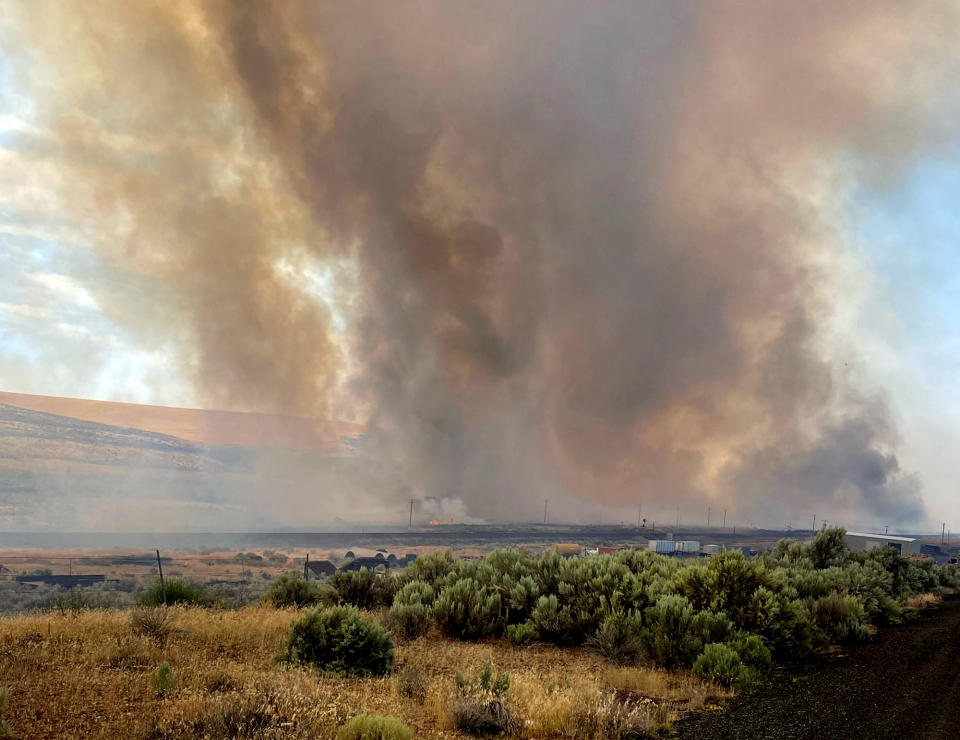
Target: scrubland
x: 521, y: 645
x: 88, y: 674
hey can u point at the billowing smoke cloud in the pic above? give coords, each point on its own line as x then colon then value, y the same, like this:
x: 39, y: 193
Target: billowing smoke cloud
x: 585, y: 252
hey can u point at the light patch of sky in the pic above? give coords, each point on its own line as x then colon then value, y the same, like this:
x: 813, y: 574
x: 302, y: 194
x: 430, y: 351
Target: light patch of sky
x: 909, y: 235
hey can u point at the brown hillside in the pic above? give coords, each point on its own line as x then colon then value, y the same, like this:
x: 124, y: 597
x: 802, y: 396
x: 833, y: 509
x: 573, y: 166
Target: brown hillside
x: 199, y: 425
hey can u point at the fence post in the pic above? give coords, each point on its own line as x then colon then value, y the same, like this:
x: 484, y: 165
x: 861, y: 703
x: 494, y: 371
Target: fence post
x: 306, y: 571
x: 163, y: 590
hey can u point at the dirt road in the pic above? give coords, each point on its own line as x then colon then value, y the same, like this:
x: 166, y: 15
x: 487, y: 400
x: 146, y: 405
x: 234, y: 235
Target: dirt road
x: 903, y: 684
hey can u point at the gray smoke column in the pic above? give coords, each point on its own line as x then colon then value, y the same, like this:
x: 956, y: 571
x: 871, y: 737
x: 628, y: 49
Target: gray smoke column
x: 585, y: 251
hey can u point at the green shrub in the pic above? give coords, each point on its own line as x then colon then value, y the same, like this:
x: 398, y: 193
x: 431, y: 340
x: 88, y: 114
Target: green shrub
x: 431, y: 568
x: 292, y: 589
x: 5, y: 729
x: 554, y: 622
x: 364, y: 589
x: 842, y: 618
x: 176, y: 591
x: 668, y: 637
x: 830, y: 548
x: 340, y: 641
x: 719, y: 662
x: 484, y: 684
x: 468, y: 611
x: 163, y: 680
x: 521, y: 634
x: 374, y: 727
x: 411, y: 616
x: 752, y: 651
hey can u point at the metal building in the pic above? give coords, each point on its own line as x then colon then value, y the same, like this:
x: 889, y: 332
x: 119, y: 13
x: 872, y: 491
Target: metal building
x: 859, y: 541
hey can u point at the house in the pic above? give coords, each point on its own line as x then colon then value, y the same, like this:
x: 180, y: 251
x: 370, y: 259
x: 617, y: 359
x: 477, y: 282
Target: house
x: 320, y: 568
x: 862, y: 541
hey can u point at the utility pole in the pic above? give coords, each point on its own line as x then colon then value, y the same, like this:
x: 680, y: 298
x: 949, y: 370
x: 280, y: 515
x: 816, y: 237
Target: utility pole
x: 943, y: 532
x: 410, y: 525
x: 678, y: 516
x: 163, y: 590
x: 639, y: 508
x: 724, y: 518
x: 813, y: 527
x: 886, y: 529
x: 824, y: 525
x: 545, y: 510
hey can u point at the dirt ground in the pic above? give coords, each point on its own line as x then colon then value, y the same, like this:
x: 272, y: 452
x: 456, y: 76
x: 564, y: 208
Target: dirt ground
x: 903, y: 684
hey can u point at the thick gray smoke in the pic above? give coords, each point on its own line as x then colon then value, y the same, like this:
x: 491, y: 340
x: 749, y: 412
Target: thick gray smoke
x: 583, y: 251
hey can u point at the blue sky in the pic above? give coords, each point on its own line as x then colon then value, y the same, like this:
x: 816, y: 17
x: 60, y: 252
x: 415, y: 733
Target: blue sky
x: 908, y: 235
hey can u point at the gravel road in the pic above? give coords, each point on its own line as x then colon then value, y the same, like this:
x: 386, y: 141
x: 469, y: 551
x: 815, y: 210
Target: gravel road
x: 903, y: 684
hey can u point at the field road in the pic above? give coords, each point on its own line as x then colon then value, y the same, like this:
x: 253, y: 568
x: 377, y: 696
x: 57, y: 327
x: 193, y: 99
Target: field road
x: 903, y: 684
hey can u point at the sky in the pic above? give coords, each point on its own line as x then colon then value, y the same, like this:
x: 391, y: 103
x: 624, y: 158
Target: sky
x: 616, y: 254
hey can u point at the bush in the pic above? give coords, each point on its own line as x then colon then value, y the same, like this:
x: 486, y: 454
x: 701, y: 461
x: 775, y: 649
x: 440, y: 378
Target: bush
x: 668, y: 637
x: 719, y: 662
x: 374, y: 727
x: 619, y: 638
x: 521, y: 634
x: 753, y: 652
x: 830, y: 548
x: 155, y: 624
x: 176, y: 591
x: 340, y: 641
x: 163, y: 680
x: 484, y: 684
x: 412, y: 684
x: 431, y: 568
x: 842, y: 618
x: 483, y: 719
x: 410, y: 615
x: 364, y: 589
x: 5, y: 729
x: 291, y: 589
x: 468, y: 611
x: 554, y: 622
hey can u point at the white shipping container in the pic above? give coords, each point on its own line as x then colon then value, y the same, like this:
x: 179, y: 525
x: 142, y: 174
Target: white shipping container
x: 711, y: 549
x: 664, y: 547
x: 688, y: 546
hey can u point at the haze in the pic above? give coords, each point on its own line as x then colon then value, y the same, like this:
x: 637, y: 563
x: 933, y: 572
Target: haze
x: 614, y: 255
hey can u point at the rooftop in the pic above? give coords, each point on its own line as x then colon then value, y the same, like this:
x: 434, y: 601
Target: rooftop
x: 893, y: 537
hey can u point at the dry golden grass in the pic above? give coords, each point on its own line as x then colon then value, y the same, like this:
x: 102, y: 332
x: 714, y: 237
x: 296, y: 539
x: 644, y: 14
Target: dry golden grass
x: 921, y: 601
x: 89, y: 675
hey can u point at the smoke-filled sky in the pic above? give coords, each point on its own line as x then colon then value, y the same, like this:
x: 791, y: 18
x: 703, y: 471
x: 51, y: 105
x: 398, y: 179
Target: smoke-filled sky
x: 610, y: 254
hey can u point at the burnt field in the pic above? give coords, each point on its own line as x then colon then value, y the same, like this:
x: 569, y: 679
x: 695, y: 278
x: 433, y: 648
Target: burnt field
x: 453, y: 536
x: 905, y: 683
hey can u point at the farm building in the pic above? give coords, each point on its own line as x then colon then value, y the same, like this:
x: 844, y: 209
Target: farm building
x: 860, y: 541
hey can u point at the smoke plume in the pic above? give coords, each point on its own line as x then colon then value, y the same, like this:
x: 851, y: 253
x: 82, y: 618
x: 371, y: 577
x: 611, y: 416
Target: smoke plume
x: 588, y: 252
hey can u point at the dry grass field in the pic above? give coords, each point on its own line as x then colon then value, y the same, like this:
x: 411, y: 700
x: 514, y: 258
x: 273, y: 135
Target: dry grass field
x: 90, y: 674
